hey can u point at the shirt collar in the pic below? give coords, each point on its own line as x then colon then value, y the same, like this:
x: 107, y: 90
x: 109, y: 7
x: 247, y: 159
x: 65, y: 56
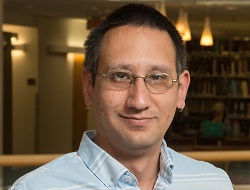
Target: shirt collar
x: 166, y: 163
x: 104, y: 166
x: 108, y: 169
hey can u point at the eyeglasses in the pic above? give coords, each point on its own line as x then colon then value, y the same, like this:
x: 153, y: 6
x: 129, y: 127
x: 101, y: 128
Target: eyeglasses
x: 155, y: 83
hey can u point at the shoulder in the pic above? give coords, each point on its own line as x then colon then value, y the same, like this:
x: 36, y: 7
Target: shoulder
x: 188, y: 170
x: 183, y: 163
x: 50, y: 173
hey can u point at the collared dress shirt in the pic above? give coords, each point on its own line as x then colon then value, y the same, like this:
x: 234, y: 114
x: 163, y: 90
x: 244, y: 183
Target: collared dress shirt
x: 94, y: 169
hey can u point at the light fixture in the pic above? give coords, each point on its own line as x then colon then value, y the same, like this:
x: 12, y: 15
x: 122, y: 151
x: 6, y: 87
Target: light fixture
x: 64, y: 49
x: 206, y: 37
x: 163, y: 8
x: 182, y: 25
x: 186, y: 33
x: 22, y: 47
x: 14, y: 37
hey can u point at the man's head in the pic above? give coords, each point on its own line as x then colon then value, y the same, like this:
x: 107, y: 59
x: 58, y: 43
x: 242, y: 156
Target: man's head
x: 135, y: 15
x: 136, y: 87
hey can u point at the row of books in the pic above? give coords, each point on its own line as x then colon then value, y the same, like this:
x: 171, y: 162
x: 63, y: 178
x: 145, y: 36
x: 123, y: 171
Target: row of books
x: 220, y: 46
x: 220, y: 67
x: 239, y: 109
x: 220, y: 87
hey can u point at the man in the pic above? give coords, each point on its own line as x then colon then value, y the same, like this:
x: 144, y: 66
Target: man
x: 134, y: 79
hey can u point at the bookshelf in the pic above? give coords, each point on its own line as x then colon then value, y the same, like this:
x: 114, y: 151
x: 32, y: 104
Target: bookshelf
x: 220, y: 78
x: 218, y: 73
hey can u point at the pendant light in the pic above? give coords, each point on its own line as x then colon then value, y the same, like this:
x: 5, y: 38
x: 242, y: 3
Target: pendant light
x: 206, y: 37
x: 187, y: 33
x: 163, y: 8
x: 182, y: 25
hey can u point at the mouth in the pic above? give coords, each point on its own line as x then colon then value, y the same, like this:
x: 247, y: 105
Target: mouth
x: 137, y: 121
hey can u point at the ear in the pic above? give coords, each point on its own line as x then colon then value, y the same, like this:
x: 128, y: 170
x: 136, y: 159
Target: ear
x: 184, y: 81
x: 87, y: 88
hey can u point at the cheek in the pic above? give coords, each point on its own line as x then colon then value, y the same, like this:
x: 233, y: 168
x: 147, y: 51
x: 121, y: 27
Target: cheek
x: 108, y: 101
x: 168, y: 107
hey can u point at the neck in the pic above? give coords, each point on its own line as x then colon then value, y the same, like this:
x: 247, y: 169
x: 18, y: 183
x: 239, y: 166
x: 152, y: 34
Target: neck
x: 146, y: 173
x: 142, y: 162
x: 145, y: 168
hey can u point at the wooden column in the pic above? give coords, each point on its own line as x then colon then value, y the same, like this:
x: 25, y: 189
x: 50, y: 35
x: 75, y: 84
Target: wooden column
x: 7, y: 95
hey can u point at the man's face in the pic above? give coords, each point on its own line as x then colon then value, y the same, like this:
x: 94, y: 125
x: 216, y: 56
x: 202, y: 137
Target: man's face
x: 134, y: 118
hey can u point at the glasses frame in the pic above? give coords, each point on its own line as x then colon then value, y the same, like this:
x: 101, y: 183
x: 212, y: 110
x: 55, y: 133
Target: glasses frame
x: 134, y: 77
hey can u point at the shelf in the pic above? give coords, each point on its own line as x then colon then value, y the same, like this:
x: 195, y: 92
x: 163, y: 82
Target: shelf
x: 238, y: 117
x: 206, y: 76
x: 225, y: 54
x: 220, y: 73
x: 200, y: 117
x: 218, y: 97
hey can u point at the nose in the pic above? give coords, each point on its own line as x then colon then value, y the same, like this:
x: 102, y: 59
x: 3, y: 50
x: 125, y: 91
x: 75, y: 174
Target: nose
x: 138, y: 95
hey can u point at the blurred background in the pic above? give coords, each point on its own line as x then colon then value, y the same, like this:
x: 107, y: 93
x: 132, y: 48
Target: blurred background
x: 40, y: 91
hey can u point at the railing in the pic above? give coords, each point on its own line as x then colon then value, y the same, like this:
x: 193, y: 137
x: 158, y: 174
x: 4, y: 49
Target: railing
x: 209, y: 156
x: 220, y: 156
x: 26, y: 159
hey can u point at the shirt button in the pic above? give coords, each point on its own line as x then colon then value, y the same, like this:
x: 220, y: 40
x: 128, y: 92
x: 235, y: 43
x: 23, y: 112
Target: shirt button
x: 18, y: 186
x: 127, y: 179
x: 112, y: 183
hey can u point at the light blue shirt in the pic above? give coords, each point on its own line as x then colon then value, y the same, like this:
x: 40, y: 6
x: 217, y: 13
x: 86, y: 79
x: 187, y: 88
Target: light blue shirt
x: 93, y: 168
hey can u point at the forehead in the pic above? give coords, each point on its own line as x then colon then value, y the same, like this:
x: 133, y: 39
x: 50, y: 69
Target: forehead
x: 140, y: 47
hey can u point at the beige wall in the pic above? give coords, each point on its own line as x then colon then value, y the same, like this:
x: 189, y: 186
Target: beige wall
x: 54, y: 87
x: 56, y: 83
x: 24, y: 66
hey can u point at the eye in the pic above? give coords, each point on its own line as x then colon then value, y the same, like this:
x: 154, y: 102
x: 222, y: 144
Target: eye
x: 120, y: 76
x: 157, y: 77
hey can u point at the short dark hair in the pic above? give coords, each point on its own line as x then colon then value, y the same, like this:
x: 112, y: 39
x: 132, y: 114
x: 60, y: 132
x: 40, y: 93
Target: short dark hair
x: 135, y: 15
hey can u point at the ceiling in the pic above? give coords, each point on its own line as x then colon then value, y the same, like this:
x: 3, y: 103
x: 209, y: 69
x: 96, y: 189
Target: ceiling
x: 228, y: 18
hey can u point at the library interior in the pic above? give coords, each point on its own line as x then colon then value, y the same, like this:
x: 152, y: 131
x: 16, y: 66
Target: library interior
x: 43, y: 110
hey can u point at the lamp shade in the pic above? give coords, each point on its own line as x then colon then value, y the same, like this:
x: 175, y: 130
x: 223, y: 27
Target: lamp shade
x: 206, y: 37
x: 186, y: 36
x: 180, y: 24
x: 163, y: 8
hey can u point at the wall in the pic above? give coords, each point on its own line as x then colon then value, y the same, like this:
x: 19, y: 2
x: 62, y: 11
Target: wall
x: 24, y: 66
x: 53, y: 133
x: 56, y: 82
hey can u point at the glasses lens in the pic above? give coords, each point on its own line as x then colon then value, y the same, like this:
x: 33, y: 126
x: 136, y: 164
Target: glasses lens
x: 159, y: 82
x: 119, y: 79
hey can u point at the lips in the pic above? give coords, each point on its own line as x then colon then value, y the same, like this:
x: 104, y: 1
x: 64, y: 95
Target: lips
x: 136, y: 121
x: 135, y: 117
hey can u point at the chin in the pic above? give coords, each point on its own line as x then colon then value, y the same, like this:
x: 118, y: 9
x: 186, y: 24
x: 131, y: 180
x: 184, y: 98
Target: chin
x: 142, y: 141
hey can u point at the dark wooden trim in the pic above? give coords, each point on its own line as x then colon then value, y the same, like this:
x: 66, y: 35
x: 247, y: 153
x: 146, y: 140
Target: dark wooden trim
x: 80, y: 119
x: 7, y: 95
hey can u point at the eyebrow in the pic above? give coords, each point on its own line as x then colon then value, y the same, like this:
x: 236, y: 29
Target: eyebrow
x: 124, y: 66
x: 163, y: 69
x: 150, y: 68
